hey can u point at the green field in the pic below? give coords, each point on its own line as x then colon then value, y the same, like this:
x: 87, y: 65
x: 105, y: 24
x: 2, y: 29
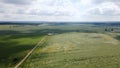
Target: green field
x: 76, y: 50
x: 15, y: 43
x: 70, y: 46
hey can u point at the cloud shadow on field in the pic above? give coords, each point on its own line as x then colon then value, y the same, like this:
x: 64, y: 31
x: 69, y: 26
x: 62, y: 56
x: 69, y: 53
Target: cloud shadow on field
x: 9, y: 50
x: 117, y: 37
x: 60, y: 31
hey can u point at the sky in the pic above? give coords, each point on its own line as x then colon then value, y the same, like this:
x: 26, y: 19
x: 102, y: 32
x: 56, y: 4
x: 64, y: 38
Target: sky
x: 59, y: 10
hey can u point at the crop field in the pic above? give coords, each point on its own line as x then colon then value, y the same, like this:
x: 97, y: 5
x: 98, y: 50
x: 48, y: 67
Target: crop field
x: 15, y: 44
x: 69, y: 46
x: 76, y: 50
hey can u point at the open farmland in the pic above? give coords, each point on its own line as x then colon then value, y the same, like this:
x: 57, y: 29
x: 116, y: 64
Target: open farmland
x: 15, y: 43
x: 76, y: 50
x: 70, y: 45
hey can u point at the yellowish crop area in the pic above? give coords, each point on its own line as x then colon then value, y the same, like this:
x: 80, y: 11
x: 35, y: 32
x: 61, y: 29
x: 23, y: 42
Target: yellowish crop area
x: 76, y: 50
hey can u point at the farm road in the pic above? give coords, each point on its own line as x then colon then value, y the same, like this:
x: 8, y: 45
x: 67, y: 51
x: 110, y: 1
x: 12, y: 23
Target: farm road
x: 29, y: 53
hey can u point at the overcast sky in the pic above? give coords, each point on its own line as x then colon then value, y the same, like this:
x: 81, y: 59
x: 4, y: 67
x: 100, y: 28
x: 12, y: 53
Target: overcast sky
x: 59, y: 10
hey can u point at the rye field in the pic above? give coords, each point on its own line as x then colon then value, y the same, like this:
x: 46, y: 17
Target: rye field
x: 76, y: 50
x: 68, y: 46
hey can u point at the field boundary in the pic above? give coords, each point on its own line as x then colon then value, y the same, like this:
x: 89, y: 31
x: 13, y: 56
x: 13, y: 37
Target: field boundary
x: 29, y: 53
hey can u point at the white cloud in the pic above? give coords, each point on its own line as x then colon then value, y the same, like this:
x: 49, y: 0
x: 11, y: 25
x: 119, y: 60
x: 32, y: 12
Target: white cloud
x: 105, y: 9
x: 59, y: 10
x: 17, y: 2
x: 86, y: 2
x: 52, y: 7
x: 43, y: 7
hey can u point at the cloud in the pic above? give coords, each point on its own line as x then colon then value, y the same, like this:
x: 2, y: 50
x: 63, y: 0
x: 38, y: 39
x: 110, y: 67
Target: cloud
x: 105, y: 9
x: 52, y: 7
x: 102, y: 1
x: 42, y: 8
x: 59, y: 9
x: 17, y: 2
x: 11, y: 9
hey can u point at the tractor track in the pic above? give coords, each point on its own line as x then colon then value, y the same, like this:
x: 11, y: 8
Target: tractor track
x: 31, y: 51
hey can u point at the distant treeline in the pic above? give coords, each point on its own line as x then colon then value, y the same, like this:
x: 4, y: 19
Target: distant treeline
x: 109, y: 24
x: 61, y: 23
x: 10, y: 23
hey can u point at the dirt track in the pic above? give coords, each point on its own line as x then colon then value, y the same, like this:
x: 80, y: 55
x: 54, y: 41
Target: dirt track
x: 29, y: 53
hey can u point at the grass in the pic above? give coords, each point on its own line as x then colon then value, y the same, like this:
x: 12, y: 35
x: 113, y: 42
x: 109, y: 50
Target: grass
x: 11, y: 48
x: 15, y: 43
x: 85, y: 46
x: 76, y: 50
